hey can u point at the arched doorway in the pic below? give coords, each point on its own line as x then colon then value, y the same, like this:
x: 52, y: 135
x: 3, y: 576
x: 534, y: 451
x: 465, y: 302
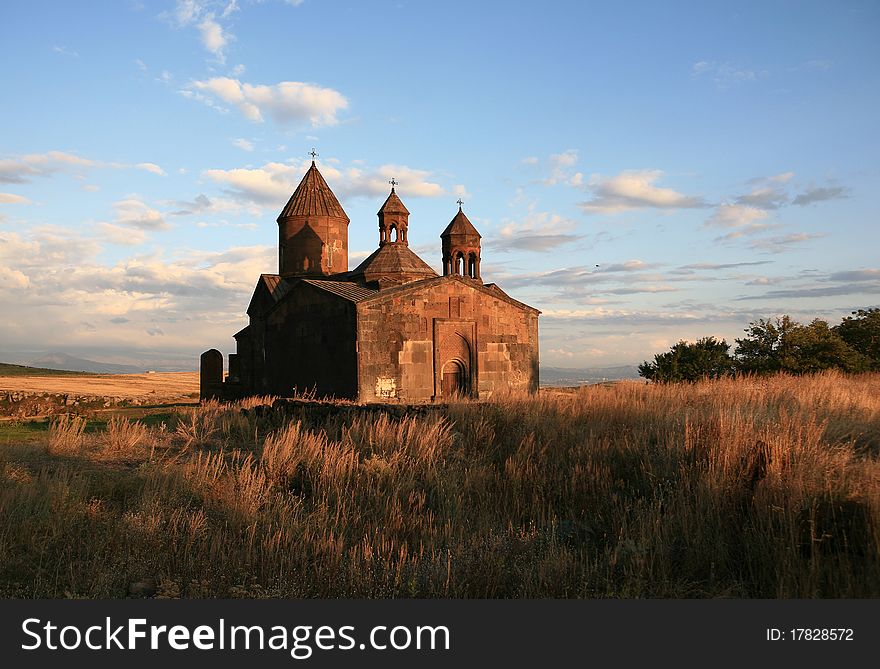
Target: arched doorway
x: 454, y: 379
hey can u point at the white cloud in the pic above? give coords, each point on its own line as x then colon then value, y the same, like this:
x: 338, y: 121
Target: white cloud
x: 536, y: 231
x: 132, y: 212
x: 740, y: 216
x: 120, y: 235
x: 285, y: 102
x: 460, y: 191
x: 22, y: 169
x: 783, y: 178
x: 12, y: 279
x: 270, y: 184
x: 725, y: 75
x: 196, y: 299
x: 214, y: 38
x: 559, y: 168
x: 12, y: 198
x: 152, y: 168
x: 815, y: 194
x: 202, y: 15
x: 243, y: 144
x: 783, y: 243
x: 766, y: 197
x: 64, y: 51
x: 634, y: 189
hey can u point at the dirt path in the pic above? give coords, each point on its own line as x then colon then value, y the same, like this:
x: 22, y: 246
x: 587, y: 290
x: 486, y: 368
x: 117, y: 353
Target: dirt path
x: 160, y: 385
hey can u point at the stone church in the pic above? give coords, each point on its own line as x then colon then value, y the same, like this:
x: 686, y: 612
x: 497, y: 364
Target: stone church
x: 391, y: 329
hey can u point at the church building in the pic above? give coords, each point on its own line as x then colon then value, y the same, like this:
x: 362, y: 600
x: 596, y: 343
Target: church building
x: 391, y: 329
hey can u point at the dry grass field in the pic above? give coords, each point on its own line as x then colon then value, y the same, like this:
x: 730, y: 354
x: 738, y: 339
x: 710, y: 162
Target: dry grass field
x: 158, y: 386
x: 757, y: 487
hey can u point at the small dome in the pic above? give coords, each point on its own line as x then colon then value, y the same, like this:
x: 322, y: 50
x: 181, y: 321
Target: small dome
x: 393, y: 205
x: 460, y: 225
x: 394, y: 262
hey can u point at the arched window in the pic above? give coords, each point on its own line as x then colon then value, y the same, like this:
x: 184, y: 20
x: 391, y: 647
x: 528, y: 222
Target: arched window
x: 393, y: 234
x: 472, y: 265
x: 459, y: 263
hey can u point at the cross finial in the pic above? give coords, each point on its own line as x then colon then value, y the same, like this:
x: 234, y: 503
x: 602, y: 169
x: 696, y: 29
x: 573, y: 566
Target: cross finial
x: 394, y: 182
x: 313, y: 154
x: 459, y: 201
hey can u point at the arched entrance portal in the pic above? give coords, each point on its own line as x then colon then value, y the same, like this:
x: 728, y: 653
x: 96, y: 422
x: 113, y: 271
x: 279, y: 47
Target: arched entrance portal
x: 454, y: 379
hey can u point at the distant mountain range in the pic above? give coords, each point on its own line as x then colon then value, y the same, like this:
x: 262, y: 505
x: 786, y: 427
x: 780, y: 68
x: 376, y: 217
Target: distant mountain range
x: 550, y: 376
x: 560, y: 376
x: 63, y: 361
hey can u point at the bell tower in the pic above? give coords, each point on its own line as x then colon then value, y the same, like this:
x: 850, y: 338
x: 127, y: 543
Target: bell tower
x: 393, y: 220
x: 461, y: 247
x: 312, y: 230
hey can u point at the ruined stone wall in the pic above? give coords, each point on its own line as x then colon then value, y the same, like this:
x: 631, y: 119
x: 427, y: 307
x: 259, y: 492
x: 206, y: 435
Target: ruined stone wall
x: 403, y: 342
x: 310, y: 344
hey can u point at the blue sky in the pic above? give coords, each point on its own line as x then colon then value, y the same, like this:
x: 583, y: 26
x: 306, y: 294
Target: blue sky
x: 641, y: 172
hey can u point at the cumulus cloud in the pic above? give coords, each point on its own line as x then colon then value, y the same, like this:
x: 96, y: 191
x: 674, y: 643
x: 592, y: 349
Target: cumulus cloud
x: 195, y: 298
x: 243, y: 144
x: 270, y: 184
x: 740, y: 219
x: 120, y: 235
x: 285, y: 102
x: 634, y: 189
x: 134, y: 213
x: 12, y: 279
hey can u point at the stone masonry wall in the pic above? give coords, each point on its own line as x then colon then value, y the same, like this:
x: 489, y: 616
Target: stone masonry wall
x: 396, y: 342
x: 310, y: 344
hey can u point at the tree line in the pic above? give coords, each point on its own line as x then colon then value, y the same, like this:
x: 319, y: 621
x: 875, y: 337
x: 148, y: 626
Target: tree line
x: 779, y: 344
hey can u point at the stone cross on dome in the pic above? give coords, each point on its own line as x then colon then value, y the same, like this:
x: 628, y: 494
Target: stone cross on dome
x: 394, y: 182
x: 459, y: 201
x: 314, y: 154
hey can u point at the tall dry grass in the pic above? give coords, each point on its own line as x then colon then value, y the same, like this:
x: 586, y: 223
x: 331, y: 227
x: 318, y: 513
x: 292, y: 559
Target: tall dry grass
x: 755, y: 487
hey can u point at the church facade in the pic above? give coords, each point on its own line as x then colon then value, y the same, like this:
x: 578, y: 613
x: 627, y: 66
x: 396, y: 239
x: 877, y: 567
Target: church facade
x: 391, y: 329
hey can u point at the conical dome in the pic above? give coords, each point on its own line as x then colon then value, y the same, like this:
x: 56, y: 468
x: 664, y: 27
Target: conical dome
x: 393, y: 205
x: 460, y: 225
x: 312, y: 230
x: 313, y: 197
